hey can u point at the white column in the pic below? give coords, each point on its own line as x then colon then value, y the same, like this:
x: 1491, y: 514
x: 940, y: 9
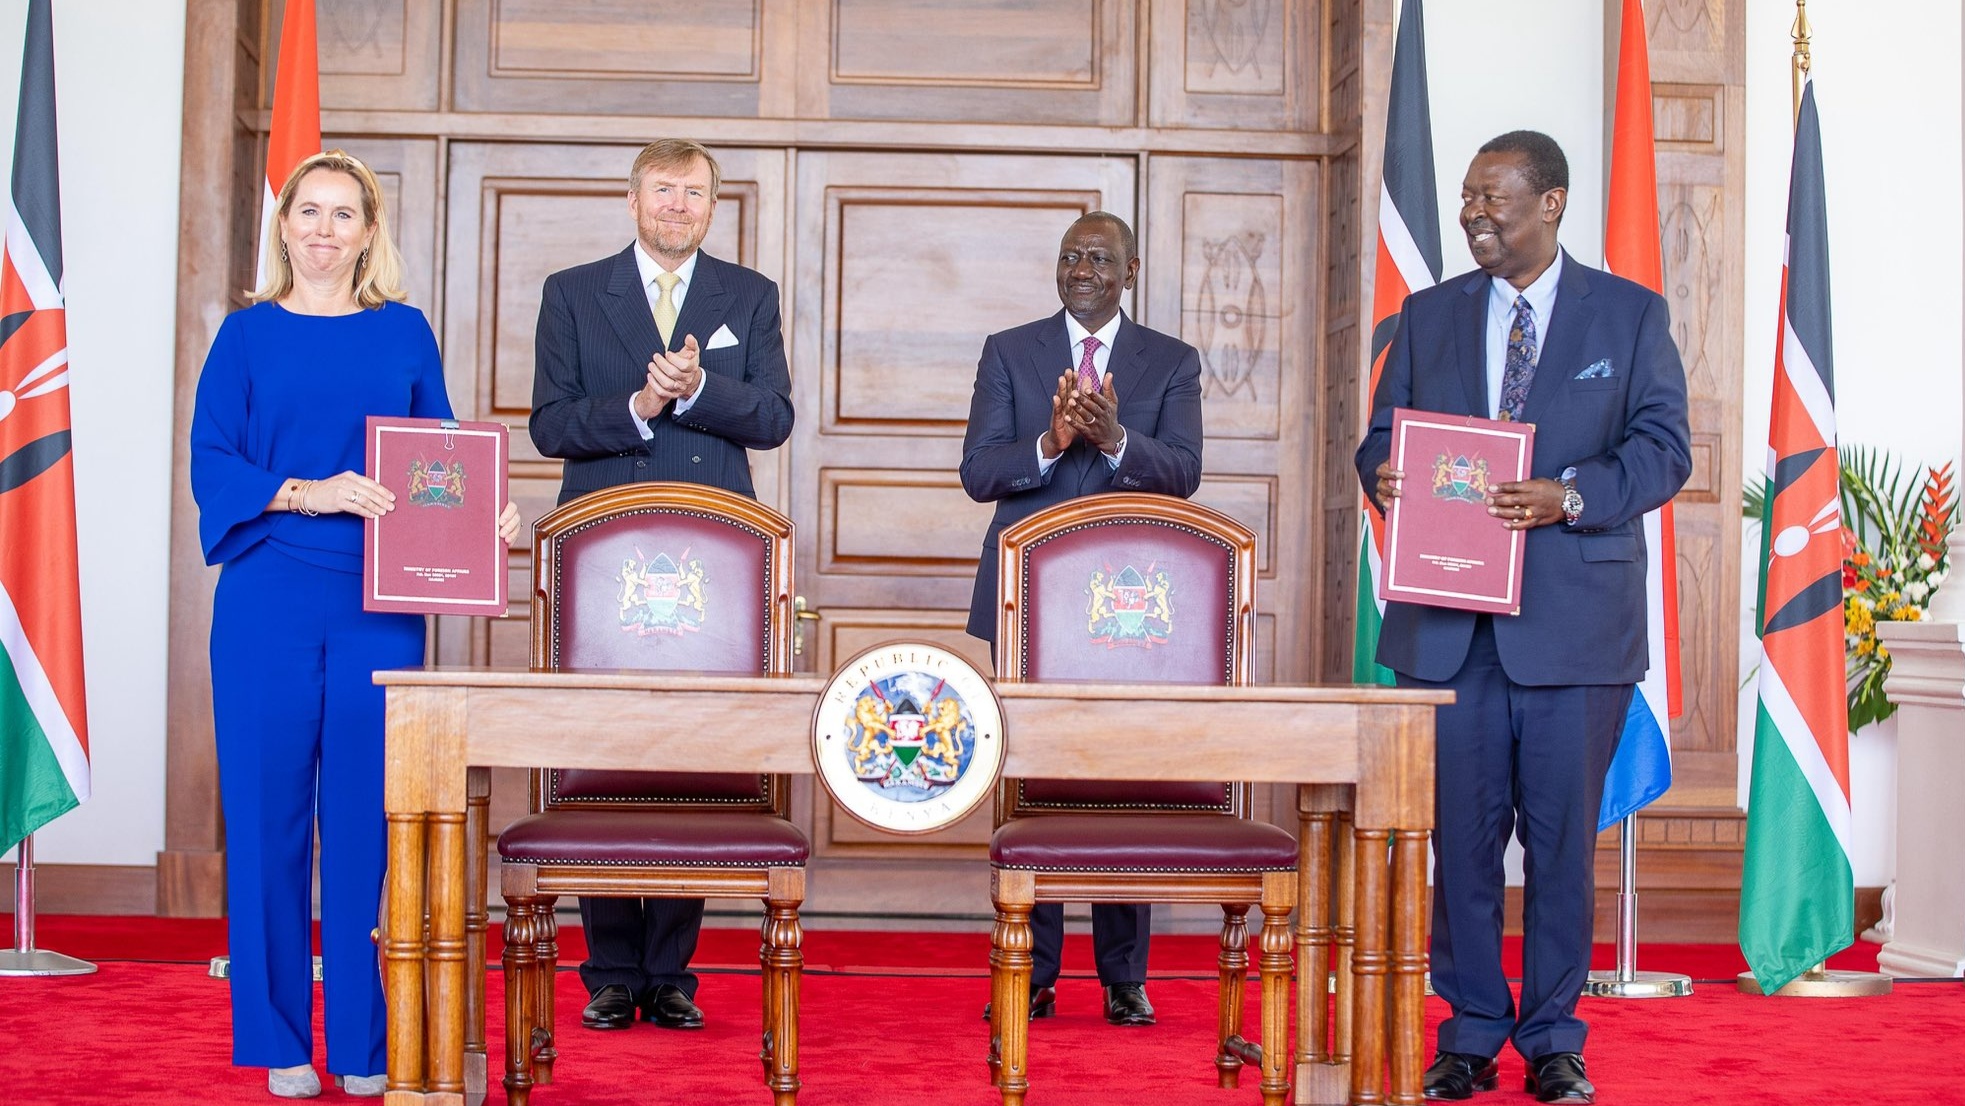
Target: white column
x: 1927, y: 682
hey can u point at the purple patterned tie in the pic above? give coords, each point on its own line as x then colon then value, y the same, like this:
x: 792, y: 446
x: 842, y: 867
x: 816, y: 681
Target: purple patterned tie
x: 1520, y: 370
x: 1087, y: 374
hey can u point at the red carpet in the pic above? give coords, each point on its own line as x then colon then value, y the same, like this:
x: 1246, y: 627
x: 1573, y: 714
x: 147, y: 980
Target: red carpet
x: 892, y: 1019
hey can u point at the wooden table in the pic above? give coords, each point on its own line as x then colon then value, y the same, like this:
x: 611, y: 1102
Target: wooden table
x: 1363, y: 757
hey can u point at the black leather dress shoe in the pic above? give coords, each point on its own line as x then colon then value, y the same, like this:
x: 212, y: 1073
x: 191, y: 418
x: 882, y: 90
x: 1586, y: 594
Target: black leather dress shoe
x: 612, y: 1007
x: 669, y: 1008
x: 1043, y: 1003
x: 1125, y: 1004
x: 1457, y: 1075
x: 1558, y: 1077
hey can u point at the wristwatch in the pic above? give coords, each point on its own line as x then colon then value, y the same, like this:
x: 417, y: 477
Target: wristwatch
x: 1572, y: 500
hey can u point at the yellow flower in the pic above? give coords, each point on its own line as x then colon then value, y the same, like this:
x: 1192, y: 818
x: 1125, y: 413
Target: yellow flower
x: 1865, y: 647
x: 1859, y: 619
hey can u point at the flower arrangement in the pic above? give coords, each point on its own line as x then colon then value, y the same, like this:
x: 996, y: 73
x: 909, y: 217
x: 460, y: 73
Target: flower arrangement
x: 1894, y: 557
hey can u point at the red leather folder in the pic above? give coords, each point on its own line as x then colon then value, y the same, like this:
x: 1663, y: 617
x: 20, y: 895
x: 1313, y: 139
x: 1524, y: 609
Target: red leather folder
x: 438, y: 552
x: 1442, y: 548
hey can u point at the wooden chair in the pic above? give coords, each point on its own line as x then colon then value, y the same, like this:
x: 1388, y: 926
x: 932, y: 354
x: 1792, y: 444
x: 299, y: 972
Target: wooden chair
x: 1140, y: 589
x: 673, y: 577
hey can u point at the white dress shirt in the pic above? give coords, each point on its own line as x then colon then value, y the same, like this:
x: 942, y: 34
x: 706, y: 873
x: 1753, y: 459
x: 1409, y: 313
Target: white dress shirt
x: 1101, y: 357
x: 648, y: 267
x: 1541, y: 297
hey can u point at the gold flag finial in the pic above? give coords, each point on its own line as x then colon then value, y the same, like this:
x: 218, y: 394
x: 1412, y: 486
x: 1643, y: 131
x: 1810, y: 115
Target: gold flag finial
x: 1802, y: 32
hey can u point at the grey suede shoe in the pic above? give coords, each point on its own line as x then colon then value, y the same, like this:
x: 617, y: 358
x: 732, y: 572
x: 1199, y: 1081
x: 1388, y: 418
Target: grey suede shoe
x: 295, y: 1082
x: 363, y: 1086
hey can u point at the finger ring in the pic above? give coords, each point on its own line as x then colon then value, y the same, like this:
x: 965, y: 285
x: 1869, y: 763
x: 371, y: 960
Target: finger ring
x: 352, y: 497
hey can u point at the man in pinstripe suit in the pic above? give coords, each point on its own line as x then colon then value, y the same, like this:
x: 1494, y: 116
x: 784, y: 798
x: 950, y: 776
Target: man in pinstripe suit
x: 658, y: 363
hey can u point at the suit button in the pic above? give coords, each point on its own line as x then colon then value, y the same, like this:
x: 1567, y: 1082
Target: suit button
x: 695, y: 460
x: 641, y: 464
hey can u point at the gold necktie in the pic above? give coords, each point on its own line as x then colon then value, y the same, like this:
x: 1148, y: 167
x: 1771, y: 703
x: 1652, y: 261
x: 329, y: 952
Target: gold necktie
x: 665, y: 305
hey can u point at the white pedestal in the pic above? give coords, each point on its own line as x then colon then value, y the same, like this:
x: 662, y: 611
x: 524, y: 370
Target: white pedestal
x: 1927, y: 682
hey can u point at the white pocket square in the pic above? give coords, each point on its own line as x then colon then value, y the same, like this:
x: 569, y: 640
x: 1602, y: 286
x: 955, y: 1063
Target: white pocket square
x: 721, y: 338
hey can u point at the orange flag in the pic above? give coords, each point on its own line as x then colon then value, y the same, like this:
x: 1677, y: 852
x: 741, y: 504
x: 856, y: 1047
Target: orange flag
x: 296, y: 133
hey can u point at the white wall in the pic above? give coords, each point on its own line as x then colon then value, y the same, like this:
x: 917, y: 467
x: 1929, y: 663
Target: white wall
x: 119, y: 68
x: 1888, y: 91
x: 1506, y: 65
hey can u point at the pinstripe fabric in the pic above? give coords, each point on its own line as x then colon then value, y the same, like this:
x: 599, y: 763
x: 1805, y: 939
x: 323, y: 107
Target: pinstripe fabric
x: 591, y: 354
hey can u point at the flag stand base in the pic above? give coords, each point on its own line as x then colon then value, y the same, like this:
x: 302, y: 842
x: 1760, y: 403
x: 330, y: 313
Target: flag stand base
x: 41, y: 962
x: 1823, y: 983
x: 1640, y: 985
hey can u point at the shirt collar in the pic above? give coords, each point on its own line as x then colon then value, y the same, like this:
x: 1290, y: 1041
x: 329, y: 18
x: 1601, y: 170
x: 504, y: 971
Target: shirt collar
x: 648, y: 266
x: 1077, y: 333
x: 1541, y: 294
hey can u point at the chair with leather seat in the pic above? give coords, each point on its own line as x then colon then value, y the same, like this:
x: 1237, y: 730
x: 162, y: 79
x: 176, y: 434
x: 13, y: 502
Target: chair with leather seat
x: 672, y: 577
x: 1136, y: 589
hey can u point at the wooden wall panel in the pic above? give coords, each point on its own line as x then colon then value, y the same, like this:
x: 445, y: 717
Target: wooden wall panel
x: 924, y: 275
x: 1230, y: 264
x: 620, y: 57
x: 1065, y: 61
x: 897, y: 521
x: 1235, y: 63
x: 379, y: 53
x: 407, y: 170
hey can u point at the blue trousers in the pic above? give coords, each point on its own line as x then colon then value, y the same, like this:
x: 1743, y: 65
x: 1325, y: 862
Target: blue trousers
x: 1516, y: 759
x: 299, y: 728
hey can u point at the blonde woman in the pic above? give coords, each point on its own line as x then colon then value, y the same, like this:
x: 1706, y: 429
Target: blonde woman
x: 276, y: 454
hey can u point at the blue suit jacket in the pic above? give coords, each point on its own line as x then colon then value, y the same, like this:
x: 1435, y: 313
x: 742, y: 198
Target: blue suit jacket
x: 1608, y: 398
x: 1158, y: 381
x: 591, y: 352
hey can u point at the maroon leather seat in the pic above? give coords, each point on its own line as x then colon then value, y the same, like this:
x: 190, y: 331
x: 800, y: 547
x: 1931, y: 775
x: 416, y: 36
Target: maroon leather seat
x: 1143, y: 843
x: 633, y: 837
x: 1138, y: 589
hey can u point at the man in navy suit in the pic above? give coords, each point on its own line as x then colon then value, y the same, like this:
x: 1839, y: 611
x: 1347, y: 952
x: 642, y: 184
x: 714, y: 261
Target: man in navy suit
x: 658, y: 363
x: 1082, y: 402
x: 1540, y: 696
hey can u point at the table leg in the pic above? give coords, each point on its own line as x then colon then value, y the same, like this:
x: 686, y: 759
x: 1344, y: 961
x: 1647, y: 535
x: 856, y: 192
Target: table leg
x: 446, y: 953
x: 477, y: 923
x: 1323, y: 1072
x: 1368, y: 966
x: 1344, y: 942
x: 403, y: 956
x: 1408, y: 1019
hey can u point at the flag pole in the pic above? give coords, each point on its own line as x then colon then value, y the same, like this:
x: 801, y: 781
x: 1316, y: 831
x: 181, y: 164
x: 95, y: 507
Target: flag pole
x: 1626, y: 981
x: 1819, y: 981
x: 24, y: 958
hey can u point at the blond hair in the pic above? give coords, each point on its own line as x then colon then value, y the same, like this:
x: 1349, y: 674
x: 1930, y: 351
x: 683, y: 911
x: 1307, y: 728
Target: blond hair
x: 378, y: 276
x: 673, y: 153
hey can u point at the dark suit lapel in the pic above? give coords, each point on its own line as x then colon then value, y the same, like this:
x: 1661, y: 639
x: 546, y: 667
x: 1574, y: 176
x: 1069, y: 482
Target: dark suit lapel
x: 1562, y: 350
x: 705, y: 305
x: 626, y: 305
x: 1470, y: 342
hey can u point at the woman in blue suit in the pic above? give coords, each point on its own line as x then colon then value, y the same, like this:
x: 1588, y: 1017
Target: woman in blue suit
x: 276, y: 452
